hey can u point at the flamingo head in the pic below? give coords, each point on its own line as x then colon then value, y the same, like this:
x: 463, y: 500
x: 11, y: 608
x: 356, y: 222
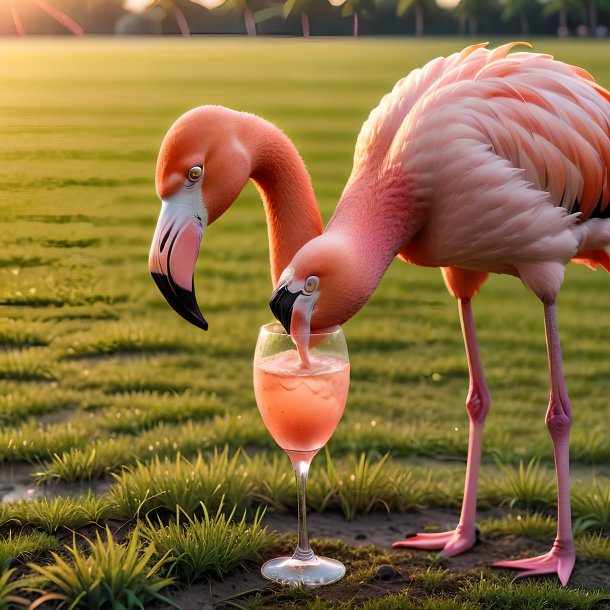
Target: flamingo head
x: 319, y: 288
x: 201, y: 169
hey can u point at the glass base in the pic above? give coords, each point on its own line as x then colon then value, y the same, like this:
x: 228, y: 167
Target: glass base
x: 314, y: 573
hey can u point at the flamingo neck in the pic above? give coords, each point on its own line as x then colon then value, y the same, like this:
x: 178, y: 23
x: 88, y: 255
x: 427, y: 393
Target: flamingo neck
x: 376, y: 218
x: 283, y: 182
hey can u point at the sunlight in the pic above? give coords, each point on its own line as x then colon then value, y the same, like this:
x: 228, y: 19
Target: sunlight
x: 337, y: 2
x: 448, y: 3
x: 209, y: 4
x: 137, y: 6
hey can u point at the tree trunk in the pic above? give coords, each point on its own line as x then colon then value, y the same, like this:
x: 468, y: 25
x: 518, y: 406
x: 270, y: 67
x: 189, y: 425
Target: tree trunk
x: 355, y: 24
x: 17, y: 21
x: 525, y: 24
x: 472, y: 25
x: 182, y: 22
x: 563, y: 18
x: 592, y: 17
x: 249, y: 22
x: 419, y: 21
x: 305, y: 24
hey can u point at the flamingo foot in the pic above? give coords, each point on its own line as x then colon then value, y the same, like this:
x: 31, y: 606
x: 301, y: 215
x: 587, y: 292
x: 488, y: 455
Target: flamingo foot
x: 449, y: 543
x: 559, y: 560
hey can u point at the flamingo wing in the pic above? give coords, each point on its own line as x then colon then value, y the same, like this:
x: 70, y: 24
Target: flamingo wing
x: 505, y: 156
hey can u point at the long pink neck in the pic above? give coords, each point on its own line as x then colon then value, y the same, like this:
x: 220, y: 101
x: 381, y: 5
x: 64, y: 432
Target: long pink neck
x: 285, y: 187
x: 376, y: 218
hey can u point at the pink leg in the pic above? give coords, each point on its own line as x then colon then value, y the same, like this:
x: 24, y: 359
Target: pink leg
x: 560, y: 559
x: 477, y: 403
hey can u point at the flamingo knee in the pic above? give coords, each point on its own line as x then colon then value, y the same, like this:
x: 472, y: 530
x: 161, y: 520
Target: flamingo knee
x: 478, y: 403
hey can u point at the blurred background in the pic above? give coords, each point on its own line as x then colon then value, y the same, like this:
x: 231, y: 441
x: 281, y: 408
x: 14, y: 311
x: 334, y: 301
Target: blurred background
x: 307, y: 17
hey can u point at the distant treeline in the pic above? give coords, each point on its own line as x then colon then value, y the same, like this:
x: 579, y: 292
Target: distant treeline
x: 309, y: 17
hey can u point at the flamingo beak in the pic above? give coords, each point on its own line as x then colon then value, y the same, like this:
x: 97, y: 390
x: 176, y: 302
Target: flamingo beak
x: 282, y: 303
x: 174, y: 252
x: 292, y: 302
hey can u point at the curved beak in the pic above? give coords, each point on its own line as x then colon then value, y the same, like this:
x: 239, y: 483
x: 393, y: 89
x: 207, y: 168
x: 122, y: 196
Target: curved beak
x: 292, y: 305
x: 282, y: 303
x: 173, y: 255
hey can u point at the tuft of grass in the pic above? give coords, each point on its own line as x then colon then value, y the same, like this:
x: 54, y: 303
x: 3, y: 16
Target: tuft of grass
x: 25, y: 365
x: 52, y: 514
x: 276, y: 485
x: 493, y: 593
x: 533, y: 525
x: 592, y: 506
x: 18, y: 334
x: 132, y: 413
x: 110, y: 575
x: 23, y: 545
x: 8, y: 587
x: 86, y: 464
x: 30, y: 442
x: 530, y: 485
x: 363, y: 489
x: 199, y: 547
x: 168, y: 484
x: 432, y: 577
x: 594, y: 546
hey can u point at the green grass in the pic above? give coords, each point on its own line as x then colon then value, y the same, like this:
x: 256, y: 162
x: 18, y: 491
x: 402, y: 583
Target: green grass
x: 86, y: 338
x: 196, y: 548
x: 111, y: 575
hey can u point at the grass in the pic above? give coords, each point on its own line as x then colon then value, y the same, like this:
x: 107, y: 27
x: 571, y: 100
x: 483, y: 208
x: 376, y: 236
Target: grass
x: 23, y: 546
x: 196, y: 548
x: 110, y: 576
x: 98, y: 376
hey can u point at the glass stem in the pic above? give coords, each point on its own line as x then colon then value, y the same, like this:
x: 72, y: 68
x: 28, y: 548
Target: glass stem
x: 303, y: 551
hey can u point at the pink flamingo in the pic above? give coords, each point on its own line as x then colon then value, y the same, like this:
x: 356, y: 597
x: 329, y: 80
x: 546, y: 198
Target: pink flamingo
x: 205, y: 160
x: 480, y: 162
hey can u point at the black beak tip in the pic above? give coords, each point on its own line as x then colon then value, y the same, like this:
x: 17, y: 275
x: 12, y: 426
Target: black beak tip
x: 281, y: 304
x: 182, y: 301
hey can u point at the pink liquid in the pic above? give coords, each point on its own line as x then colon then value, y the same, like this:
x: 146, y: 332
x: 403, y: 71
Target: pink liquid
x: 301, y: 406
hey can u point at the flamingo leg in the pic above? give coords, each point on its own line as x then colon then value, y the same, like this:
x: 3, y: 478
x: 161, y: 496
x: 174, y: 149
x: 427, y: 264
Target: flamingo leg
x: 464, y: 536
x: 560, y: 559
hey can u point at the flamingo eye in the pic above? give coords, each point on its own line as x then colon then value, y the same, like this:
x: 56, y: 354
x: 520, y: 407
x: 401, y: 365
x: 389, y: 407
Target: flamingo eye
x: 195, y: 173
x: 311, y: 283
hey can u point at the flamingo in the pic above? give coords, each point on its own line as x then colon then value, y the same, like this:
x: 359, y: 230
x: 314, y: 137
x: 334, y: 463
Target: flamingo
x: 205, y: 160
x: 477, y: 163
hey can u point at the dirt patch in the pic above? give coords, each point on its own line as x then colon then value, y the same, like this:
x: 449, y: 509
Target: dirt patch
x: 379, y: 531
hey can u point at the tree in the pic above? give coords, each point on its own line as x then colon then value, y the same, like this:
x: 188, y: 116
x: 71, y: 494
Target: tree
x: 563, y: 8
x: 518, y: 9
x: 304, y: 7
x: 419, y: 7
x: 246, y: 8
x: 471, y: 12
x: 50, y: 10
x: 170, y: 6
x: 355, y: 8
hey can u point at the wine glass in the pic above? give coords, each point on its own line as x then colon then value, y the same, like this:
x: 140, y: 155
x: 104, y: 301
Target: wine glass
x: 301, y: 406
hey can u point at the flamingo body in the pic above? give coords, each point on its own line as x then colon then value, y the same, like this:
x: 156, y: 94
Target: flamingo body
x: 481, y: 162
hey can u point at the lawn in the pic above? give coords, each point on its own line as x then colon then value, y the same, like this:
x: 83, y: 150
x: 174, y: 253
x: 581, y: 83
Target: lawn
x: 127, y: 412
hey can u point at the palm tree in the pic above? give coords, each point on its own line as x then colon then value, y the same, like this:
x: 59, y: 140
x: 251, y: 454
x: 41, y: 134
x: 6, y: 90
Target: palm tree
x: 519, y: 9
x: 48, y: 8
x: 419, y: 6
x: 471, y: 11
x: 139, y: 6
x: 246, y: 8
x: 355, y: 8
x: 563, y: 8
x: 304, y: 7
